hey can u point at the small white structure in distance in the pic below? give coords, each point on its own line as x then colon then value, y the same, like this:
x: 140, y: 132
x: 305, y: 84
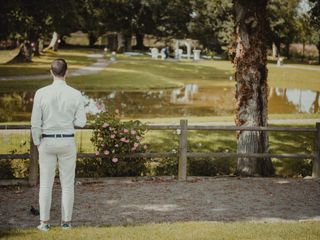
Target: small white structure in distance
x: 280, y: 61
x: 154, y: 53
x: 196, y: 54
x: 178, y: 53
x: 163, y: 53
x: 133, y: 54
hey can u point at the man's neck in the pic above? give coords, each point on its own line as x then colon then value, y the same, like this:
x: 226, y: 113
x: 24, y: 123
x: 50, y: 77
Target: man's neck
x: 59, y: 79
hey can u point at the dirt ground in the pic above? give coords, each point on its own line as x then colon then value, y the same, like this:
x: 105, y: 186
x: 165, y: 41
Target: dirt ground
x: 132, y: 201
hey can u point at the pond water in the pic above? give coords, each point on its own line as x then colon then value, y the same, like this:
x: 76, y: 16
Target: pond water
x: 190, y: 100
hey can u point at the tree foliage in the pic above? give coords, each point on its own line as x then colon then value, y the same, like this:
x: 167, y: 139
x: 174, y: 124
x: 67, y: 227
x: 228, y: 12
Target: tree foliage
x: 283, y: 22
x: 209, y: 21
x: 314, y: 14
x: 212, y: 23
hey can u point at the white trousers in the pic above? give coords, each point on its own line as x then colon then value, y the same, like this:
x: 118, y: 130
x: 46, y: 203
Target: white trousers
x: 52, y: 151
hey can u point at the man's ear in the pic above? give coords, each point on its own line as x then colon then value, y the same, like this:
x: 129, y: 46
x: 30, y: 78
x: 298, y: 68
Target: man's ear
x: 66, y: 74
x: 51, y: 73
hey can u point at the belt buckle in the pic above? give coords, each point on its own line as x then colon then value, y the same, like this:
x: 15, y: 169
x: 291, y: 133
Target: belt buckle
x: 58, y: 135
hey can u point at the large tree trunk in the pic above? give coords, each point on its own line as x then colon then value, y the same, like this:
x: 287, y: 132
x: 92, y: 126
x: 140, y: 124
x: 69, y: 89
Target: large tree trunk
x: 303, y: 51
x: 54, y: 43
x: 112, y: 42
x: 287, y: 50
x: 92, y: 38
x: 129, y: 42
x: 274, y: 50
x: 139, y: 39
x: 24, y: 55
x: 121, y: 42
x: 250, y: 60
x: 27, y: 51
x: 318, y: 46
x: 36, y: 48
x: 316, y: 103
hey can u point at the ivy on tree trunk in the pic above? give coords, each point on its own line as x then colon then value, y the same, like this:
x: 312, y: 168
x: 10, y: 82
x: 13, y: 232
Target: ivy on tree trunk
x: 250, y: 59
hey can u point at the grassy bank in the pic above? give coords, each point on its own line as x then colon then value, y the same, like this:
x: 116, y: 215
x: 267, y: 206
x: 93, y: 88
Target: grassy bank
x: 41, y: 64
x: 217, y: 120
x: 141, y: 73
x: 179, y: 231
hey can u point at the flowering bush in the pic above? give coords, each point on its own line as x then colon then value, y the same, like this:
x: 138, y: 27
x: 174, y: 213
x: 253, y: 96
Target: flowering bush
x: 111, y: 137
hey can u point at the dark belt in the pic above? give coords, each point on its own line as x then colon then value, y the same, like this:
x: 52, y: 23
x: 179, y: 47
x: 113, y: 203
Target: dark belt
x: 57, y: 135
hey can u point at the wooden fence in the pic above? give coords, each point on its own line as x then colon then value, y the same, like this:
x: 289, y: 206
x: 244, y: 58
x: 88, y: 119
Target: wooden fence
x: 183, y: 153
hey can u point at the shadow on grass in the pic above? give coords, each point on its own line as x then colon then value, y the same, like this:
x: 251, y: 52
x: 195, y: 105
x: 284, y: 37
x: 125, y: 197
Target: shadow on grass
x: 13, y: 233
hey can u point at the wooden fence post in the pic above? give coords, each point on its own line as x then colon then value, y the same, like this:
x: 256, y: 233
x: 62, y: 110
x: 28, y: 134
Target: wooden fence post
x: 316, y: 160
x: 183, y: 147
x: 33, y: 165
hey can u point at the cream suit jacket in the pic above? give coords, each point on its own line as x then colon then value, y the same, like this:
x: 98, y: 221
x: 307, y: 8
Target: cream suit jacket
x: 57, y: 108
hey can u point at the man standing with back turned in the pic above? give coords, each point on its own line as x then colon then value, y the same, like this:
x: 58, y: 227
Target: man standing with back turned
x: 57, y: 108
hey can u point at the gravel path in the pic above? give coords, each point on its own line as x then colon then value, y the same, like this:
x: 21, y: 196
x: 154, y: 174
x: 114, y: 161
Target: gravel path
x: 96, y: 67
x: 129, y: 201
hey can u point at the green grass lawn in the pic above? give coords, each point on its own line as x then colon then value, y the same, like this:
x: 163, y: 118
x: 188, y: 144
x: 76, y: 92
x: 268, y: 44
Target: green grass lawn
x: 7, y: 55
x: 141, y: 73
x: 295, y: 78
x: 178, y: 231
x: 76, y: 58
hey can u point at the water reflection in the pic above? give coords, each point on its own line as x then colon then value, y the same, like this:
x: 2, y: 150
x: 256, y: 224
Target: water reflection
x: 184, y: 95
x: 293, y: 101
x: 190, y: 100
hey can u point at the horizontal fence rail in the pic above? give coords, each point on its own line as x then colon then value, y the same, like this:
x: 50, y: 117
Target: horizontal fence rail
x: 183, y: 153
x: 190, y: 127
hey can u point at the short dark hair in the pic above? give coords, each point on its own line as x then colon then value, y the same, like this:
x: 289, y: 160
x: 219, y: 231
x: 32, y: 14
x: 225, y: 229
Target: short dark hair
x: 59, y: 67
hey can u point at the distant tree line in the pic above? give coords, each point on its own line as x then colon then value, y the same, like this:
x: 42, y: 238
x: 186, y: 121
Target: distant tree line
x: 209, y: 21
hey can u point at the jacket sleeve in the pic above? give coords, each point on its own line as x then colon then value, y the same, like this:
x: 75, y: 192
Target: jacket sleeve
x: 80, y: 118
x: 36, y: 120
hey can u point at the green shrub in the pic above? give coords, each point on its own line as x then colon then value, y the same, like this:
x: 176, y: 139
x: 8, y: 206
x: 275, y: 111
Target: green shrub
x: 293, y: 167
x: 6, y: 171
x: 111, y: 137
x: 166, y: 167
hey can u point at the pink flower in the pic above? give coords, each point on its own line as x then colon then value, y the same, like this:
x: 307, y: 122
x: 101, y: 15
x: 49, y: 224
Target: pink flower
x: 110, y: 128
x: 97, y: 153
x: 105, y: 125
x: 99, y: 106
x: 135, y: 145
x: 145, y: 146
x: 123, y: 139
x: 112, y: 136
x: 125, y: 130
x: 133, y: 132
x: 133, y: 149
x: 114, y: 159
x: 106, y: 152
x: 116, y: 145
x: 126, y: 141
x: 117, y: 111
